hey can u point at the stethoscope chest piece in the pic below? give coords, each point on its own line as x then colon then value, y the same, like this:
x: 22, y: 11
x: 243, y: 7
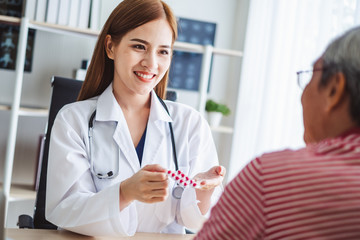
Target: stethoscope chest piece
x: 177, y: 191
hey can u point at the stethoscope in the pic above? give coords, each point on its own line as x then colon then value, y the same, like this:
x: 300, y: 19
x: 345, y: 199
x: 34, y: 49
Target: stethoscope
x: 177, y: 189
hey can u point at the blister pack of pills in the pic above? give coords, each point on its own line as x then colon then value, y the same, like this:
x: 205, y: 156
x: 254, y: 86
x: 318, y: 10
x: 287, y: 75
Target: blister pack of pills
x: 183, y: 180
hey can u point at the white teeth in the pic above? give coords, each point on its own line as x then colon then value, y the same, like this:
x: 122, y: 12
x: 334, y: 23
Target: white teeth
x: 144, y: 75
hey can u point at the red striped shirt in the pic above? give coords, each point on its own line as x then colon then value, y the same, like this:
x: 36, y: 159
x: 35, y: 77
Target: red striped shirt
x: 311, y: 193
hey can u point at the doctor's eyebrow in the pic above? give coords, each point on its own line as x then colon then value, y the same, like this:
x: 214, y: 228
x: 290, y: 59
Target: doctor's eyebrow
x: 147, y: 43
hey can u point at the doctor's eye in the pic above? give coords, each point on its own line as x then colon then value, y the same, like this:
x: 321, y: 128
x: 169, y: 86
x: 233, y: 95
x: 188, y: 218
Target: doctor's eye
x: 139, y: 47
x: 164, y: 52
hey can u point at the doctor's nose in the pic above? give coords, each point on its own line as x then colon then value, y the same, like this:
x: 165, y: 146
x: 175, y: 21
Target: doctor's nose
x: 150, y: 61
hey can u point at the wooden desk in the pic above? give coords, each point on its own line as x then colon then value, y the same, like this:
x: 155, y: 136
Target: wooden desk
x: 40, y: 234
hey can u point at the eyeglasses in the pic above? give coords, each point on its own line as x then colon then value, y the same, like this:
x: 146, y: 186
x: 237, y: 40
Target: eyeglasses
x: 304, y: 77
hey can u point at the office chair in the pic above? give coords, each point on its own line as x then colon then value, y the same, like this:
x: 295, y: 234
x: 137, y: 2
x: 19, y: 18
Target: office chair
x: 64, y: 91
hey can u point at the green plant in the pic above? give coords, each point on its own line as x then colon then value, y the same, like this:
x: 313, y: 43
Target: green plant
x: 212, y: 106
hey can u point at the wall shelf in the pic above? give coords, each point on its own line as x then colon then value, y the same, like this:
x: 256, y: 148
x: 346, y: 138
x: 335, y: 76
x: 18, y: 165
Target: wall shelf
x: 60, y: 29
x: 21, y: 192
x: 7, y: 19
x: 27, y: 111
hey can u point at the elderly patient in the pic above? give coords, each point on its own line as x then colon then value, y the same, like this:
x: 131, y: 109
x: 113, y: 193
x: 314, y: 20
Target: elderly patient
x: 313, y: 192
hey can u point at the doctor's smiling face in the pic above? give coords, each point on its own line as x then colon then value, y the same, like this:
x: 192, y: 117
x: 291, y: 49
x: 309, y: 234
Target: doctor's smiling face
x: 141, y: 58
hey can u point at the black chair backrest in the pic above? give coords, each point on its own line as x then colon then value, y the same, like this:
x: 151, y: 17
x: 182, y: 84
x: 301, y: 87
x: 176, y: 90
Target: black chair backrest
x: 64, y: 91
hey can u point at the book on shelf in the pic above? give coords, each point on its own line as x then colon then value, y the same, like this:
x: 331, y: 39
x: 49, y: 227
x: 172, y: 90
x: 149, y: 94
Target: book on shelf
x: 40, y: 12
x: 52, y: 11
x: 74, y: 13
x: 30, y: 9
x: 106, y: 7
x: 63, y: 14
x: 84, y: 13
x: 95, y: 15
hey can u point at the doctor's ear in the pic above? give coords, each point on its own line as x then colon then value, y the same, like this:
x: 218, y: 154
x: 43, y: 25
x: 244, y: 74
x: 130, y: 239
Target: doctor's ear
x: 109, y: 47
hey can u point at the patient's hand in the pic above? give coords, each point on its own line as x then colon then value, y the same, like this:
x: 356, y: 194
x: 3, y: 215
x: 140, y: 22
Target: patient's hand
x: 210, y: 179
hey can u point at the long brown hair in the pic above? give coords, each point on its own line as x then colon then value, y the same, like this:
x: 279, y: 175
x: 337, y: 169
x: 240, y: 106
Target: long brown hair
x: 128, y: 15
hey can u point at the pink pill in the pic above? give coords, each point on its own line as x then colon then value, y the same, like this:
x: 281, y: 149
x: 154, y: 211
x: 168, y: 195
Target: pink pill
x: 169, y: 172
x: 173, y: 175
x: 194, y: 185
x: 177, y: 178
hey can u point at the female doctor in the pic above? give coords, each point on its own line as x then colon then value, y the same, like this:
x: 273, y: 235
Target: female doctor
x: 110, y: 151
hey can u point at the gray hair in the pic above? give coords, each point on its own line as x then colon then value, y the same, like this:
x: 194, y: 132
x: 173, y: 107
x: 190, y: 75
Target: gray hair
x: 343, y: 55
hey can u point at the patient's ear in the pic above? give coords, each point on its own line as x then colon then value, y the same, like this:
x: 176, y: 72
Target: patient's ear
x: 109, y: 47
x: 336, y: 91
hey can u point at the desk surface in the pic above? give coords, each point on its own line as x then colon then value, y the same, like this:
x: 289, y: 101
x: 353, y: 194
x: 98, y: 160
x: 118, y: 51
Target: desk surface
x: 40, y: 234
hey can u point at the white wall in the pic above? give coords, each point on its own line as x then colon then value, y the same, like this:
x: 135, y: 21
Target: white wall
x: 56, y: 54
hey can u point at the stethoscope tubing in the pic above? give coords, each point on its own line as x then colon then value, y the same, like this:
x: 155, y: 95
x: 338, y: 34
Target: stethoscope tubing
x: 177, y: 189
x: 110, y: 174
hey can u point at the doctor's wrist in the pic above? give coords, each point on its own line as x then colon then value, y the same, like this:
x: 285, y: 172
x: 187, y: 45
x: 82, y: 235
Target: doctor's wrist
x: 124, y: 198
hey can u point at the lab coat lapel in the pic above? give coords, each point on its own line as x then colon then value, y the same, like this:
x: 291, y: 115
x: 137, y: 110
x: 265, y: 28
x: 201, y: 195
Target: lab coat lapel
x: 108, y: 109
x: 157, y: 130
x: 123, y: 139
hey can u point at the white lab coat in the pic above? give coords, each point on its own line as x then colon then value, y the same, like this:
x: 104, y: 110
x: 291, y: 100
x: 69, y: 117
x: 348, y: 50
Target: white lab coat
x: 79, y: 201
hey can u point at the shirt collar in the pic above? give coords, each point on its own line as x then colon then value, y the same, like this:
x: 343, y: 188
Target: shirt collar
x: 108, y: 109
x: 157, y: 110
x: 354, y: 130
x: 348, y: 141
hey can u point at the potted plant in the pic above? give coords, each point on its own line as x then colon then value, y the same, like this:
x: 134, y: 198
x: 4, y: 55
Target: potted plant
x: 215, y: 112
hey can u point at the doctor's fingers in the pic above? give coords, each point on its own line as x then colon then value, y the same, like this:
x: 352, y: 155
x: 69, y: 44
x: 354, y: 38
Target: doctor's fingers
x: 158, y: 184
x: 157, y: 195
x: 147, y: 188
x: 155, y: 176
x: 154, y: 168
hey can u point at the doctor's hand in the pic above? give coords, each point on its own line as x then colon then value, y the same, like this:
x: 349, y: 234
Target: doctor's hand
x: 212, y: 178
x: 148, y: 185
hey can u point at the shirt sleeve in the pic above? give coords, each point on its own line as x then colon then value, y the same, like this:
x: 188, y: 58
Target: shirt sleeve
x: 239, y: 212
x: 72, y: 201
